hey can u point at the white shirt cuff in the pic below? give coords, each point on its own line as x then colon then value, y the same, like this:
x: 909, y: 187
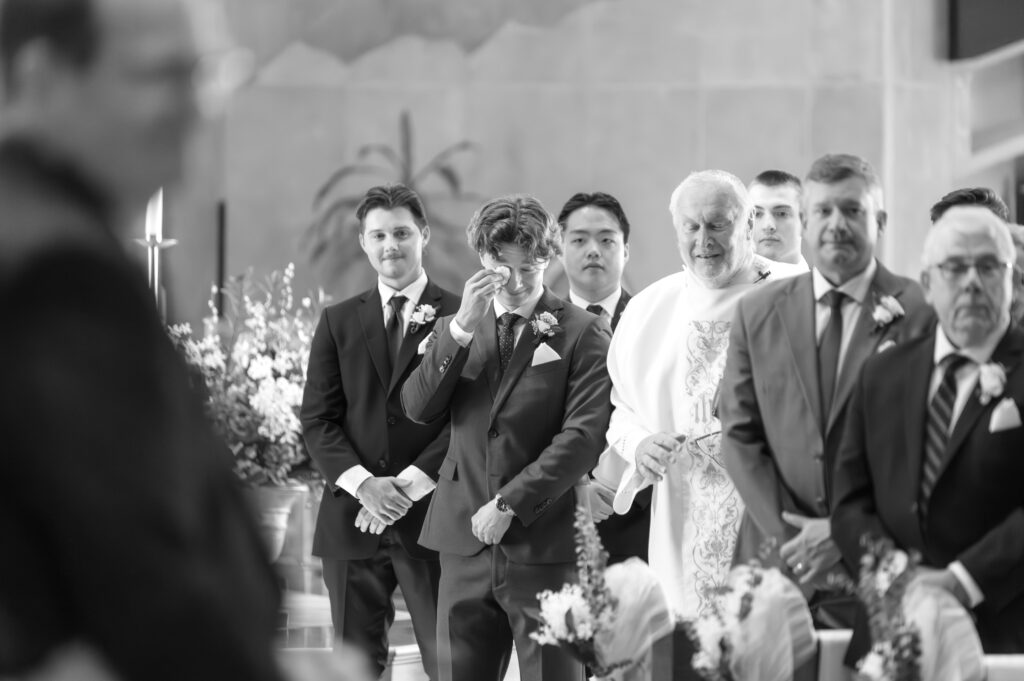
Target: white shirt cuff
x: 974, y: 594
x: 461, y: 336
x: 421, y: 485
x: 351, y: 479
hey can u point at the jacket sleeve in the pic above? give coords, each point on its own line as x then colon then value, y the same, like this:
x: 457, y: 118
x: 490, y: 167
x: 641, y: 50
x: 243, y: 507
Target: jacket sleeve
x: 427, y: 393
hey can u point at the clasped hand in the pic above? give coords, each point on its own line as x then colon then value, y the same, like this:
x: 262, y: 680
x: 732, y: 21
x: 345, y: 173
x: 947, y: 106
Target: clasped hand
x: 384, y: 498
x: 811, y: 555
x: 656, y: 453
x: 490, y: 524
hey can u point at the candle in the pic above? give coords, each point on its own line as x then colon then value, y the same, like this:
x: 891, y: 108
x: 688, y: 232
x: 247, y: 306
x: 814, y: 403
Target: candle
x: 155, y: 217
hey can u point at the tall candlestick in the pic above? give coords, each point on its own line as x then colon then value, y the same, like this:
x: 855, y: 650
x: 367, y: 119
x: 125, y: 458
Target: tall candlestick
x: 155, y: 216
x: 154, y: 242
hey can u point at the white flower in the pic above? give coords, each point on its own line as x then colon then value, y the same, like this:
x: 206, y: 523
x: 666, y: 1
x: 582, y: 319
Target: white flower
x: 423, y: 314
x: 553, y: 608
x: 992, y: 380
x: 545, y: 325
x: 872, y: 666
x: 886, y: 311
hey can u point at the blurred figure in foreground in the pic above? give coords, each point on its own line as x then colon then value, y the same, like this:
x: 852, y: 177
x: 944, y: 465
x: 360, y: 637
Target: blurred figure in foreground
x: 128, y: 544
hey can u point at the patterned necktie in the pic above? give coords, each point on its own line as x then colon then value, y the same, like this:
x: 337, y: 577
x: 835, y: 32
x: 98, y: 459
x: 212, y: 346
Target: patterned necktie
x: 936, y: 434
x: 395, y: 329
x: 594, y: 308
x: 506, y: 338
x: 828, y: 350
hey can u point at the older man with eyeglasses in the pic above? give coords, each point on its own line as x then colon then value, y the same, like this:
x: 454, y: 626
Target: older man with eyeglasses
x: 933, y: 452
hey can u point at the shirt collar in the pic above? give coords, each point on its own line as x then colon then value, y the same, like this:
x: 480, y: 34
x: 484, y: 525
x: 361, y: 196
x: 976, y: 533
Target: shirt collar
x: 525, y: 310
x: 856, y: 287
x: 609, y: 304
x: 980, y: 354
x: 412, y: 292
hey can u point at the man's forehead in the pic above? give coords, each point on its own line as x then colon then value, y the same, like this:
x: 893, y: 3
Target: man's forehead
x: 850, y: 188
x: 783, y: 194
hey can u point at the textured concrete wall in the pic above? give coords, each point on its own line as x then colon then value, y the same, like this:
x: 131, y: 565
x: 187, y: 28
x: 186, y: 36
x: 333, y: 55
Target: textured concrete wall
x: 627, y: 96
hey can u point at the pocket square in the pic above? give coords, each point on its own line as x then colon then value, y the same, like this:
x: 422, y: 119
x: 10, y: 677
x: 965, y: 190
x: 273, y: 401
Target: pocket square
x: 1005, y: 416
x: 544, y: 354
x: 886, y: 345
x: 424, y: 344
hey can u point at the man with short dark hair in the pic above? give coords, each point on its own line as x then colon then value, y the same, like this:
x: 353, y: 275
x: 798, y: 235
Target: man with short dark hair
x: 971, y: 196
x: 128, y: 543
x: 778, y: 219
x: 379, y: 466
x: 795, y: 351
x: 522, y: 375
x: 595, y: 249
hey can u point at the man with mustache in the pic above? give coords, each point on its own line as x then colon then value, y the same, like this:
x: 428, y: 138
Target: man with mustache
x: 778, y: 219
x: 380, y: 467
x: 595, y: 249
x: 795, y: 352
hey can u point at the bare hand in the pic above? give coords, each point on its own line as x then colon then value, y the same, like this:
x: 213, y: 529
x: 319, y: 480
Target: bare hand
x: 367, y: 522
x: 656, y: 453
x: 599, y: 500
x: 941, y: 579
x: 490, y: 524
x: 476, y: 298
x: 384, y: 498
x: 811, y: 554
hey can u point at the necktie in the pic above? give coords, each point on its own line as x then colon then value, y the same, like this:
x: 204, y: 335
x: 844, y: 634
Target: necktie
x: 506, y: 338
x: 395, y: 330
x: 936, y: 434
x: 828, y: 350
x: 594, y: 308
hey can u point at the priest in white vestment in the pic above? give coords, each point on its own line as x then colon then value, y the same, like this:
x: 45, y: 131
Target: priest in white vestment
x: 666, y: 361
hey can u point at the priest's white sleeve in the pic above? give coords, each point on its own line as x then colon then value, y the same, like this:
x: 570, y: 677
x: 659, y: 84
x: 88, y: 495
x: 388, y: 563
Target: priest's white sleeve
x: 625, y: 429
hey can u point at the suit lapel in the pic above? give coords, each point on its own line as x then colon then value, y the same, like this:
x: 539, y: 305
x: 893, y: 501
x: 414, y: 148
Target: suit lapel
x: 796, y: 311
x: 431, y: 296
x: 864, y: 340
x: 371, y: 317
x: 915, y: 394
x: 620, y: 307
x: 523, y: 352
x: 1008, y: 353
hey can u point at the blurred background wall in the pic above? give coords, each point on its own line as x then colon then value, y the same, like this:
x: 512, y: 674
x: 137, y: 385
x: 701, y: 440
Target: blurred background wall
x: 551, y: 97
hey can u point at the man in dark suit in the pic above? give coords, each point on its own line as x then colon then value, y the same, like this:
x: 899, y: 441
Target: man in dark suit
x: 795, y: 350
x: 379, y: 466
x: 523, y: 377
x: 128, y: 545
x: 932, y: 453
x: 595, y: 249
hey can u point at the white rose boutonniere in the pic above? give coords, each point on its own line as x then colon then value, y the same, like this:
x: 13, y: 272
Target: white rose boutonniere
x: 421, y: 316
x: 886, y: 311
x: 545, y: 325
x: 991, y: 381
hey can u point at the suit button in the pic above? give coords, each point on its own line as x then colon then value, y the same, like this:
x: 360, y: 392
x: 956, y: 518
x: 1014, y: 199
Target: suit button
x: 819, y: 457
x: 820, y: 501
x: 392, y: 420
x: 382, y: 464
x: 492, y: 433
x: 914, y: 507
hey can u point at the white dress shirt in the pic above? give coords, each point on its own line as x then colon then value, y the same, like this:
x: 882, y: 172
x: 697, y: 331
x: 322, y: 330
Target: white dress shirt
x: 966, y: 379
x: 607, y: 304
x: 856, y: 290
x: 525, y: 311
x: 355, y: 476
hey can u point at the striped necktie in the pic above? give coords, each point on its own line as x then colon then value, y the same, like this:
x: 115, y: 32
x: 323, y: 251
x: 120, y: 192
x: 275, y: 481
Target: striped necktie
x: 940, y: 414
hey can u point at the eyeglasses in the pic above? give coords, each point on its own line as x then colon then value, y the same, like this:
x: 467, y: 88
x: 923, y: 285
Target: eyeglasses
x: 987, y: 268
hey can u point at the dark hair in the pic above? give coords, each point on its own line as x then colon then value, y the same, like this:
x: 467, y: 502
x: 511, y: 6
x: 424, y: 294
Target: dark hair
x: 518, y: 220
x: 597, y: 200
x: 68, y: 27
x: 390, y: 197
x: 778, y: 178
x: 971, y: 196
x: 832, y: 168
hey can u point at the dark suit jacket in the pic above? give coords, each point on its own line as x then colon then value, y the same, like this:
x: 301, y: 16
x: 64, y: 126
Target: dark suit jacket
x: 529, y: 435
x: 123, y: 525
x: 352, y: 415
x: 773, y: 442
x: 976, y: 510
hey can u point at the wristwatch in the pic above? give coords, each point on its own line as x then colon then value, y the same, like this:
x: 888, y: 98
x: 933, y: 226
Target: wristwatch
x: 502, y: 505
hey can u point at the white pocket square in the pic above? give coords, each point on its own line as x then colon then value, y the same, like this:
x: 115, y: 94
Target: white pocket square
x: 544, y: 354
x: 886, y: 345
x: 422, y: 347
x: 1005, y: 416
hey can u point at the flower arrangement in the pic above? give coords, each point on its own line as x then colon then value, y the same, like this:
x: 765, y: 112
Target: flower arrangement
x: 252, y: 362
x: 884, y: 576
x: 421, y: 316
x: 612, y: 616
x: 545, y: 325
x: 991, y: 381
x: 887, y: 310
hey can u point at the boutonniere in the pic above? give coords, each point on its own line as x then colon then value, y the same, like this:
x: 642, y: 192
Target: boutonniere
x: 422, y: 315
x: 991, y: 381
x: 545, y: 325
x: 887, y: 310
